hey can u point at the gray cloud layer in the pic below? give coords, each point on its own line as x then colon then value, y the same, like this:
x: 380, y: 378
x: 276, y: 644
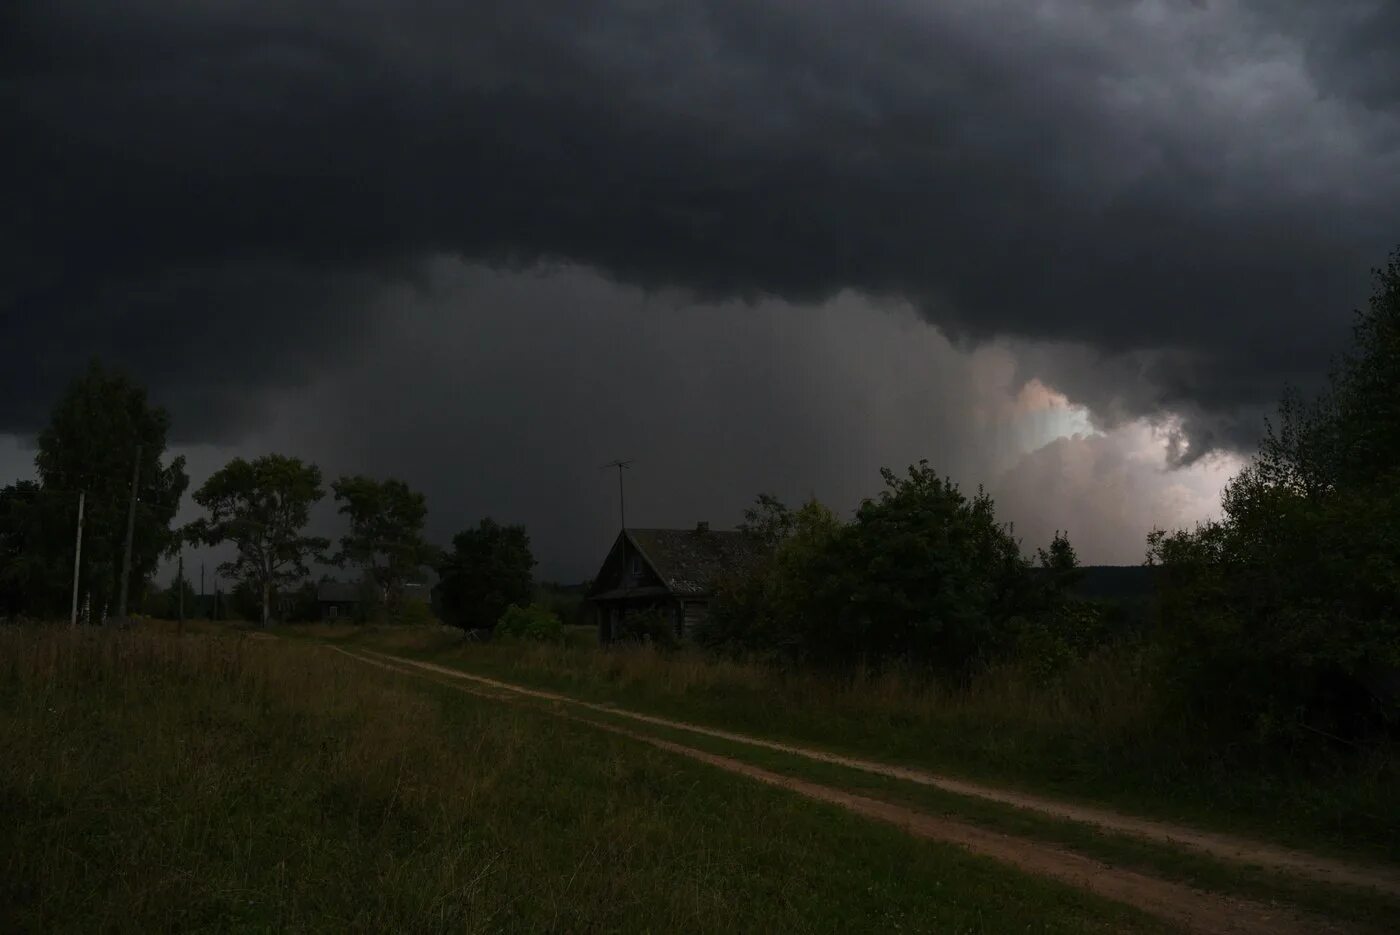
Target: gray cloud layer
x: 1187, y: 193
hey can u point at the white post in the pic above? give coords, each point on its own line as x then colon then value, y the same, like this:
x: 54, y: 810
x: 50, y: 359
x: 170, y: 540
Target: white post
x: 77, y: 554
x: 126, y: 555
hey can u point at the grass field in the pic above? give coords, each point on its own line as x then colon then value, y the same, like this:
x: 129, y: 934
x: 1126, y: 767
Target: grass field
x: 216, y: 781
x: 1091, y: 735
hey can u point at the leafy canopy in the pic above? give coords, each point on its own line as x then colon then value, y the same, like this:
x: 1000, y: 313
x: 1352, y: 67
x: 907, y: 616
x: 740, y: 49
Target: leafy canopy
x: 488, y: 569
x: 262, y: 507
x: 923, y: 574
x: 1285, y: 614
x: 90, y: 446
x: 386, y: 531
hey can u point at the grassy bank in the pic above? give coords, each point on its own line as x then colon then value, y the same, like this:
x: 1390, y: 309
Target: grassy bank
x: 1093, y: 734
x: 152, y: 782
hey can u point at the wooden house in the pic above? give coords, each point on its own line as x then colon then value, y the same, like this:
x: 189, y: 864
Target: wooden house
x: 673, y: 571
x: 343, y: 599
x: 338, y: 599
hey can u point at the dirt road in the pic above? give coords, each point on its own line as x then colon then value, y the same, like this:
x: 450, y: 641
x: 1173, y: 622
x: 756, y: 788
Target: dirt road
x: 1225, y: 847
x: 1182, y: 905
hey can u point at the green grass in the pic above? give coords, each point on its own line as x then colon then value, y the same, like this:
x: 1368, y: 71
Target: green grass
x: 1093, y: 736
x: 217, y: 782
x: 1360, y: 909
x: 1374, y: 911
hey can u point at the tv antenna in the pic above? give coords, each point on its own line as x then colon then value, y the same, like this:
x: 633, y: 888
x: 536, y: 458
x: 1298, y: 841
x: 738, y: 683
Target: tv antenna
x: 621, y: 466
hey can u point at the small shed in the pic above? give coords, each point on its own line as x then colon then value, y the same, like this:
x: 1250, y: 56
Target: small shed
x: 673, y: 571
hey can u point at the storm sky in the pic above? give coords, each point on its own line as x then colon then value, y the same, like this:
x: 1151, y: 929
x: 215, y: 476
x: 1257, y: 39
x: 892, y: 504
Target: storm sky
x: 1070, y: 249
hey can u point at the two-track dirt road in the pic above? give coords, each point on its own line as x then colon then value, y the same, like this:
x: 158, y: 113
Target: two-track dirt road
x: 1192, y: 909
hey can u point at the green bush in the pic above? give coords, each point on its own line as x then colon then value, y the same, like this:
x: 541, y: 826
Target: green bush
x: 924, y: 576
x: 413, y: 613
x: 1048, y: 643
x: 533, y: 623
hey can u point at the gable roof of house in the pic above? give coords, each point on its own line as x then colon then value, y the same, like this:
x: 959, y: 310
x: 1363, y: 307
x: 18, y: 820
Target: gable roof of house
x: 689, y: 561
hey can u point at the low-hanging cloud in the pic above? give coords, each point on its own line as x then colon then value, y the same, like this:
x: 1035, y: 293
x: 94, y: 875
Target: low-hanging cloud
x: 514, y: 413
x: 1188, y: 193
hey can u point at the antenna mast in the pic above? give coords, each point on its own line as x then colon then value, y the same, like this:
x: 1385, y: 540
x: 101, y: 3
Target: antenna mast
x: 621, y: 466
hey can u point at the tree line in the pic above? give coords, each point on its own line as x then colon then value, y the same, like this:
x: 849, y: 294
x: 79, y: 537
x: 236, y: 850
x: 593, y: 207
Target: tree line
x: 104, y: 431
x: 923, y: 576
x: 1279, y: 621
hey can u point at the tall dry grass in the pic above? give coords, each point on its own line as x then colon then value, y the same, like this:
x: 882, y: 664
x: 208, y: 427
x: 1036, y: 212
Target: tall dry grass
x: 150, y: 782
x: 1100, y: 729
x: 1106, y: 694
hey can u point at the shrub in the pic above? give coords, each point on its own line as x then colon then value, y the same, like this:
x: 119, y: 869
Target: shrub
x: 924, y: 576
x: 533, y: 623
x: 1050, y: 642
x: 413, y: 613
x: 564, y: 602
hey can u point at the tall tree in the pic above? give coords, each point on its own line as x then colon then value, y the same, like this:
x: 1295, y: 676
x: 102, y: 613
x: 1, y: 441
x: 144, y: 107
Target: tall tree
x: 1285, y: 610
x: 939, y: 579
x: 22, y: 565
x: 91, y: 444
x: 487, y: 570
x: 386, y: 531
x: 1059, y: 566
x: 262, y: 507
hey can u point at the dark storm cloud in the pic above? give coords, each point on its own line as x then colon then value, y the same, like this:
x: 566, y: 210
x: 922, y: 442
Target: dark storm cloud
x: 1193, y: 191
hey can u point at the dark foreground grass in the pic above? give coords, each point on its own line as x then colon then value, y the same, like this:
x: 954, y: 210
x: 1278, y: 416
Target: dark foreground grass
x: 215, y: 783
x: 1092, y: 736
x: 1363, y: 909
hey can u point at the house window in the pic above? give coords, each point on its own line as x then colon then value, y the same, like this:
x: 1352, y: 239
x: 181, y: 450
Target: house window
x: 636, y: 564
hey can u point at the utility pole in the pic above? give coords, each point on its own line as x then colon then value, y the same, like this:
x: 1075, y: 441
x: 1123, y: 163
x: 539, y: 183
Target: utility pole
x: 621, y: 499
x: 130, y: 527
x: 202, y: 608
x: 180, y: 589
x: 77, y: 557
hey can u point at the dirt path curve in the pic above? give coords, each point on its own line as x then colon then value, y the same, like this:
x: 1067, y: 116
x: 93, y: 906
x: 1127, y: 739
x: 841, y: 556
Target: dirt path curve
x: 1193, y: 910
x: 1226, y: 847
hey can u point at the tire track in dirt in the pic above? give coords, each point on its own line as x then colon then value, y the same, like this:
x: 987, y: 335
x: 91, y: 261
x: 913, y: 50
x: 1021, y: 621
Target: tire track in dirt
x: 1193, y: 910
x: 1227, y: 847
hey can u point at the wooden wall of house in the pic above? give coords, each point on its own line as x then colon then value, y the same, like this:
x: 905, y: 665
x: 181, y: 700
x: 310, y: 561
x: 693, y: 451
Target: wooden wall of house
x: 696, y: 613
x: 635, y: 571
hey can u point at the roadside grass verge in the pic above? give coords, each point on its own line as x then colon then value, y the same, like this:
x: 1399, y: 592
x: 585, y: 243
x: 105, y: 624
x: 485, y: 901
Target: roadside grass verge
x: 217, y: 782
x: 1359, y: 908
x: 1091, y: 736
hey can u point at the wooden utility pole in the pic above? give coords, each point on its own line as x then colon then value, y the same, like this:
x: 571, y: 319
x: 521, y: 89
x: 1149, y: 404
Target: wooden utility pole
x: 130, y: 528
x: 77, y: 558
x: 202, y: 609
x: 180, y: 588
x: 621, y: 498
